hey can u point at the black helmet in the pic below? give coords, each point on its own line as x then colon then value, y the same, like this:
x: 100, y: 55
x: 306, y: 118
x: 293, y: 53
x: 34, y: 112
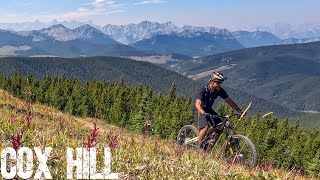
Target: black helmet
x: 216, y: 76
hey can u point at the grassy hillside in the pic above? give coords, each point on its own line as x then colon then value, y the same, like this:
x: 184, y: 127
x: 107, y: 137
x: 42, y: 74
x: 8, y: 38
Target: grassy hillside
x: 111, y: 69
x: 287, y: 75
x: 133, y: 155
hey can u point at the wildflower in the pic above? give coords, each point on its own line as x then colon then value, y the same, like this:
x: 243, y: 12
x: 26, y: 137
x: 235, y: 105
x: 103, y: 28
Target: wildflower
x: 113, y: 140
x: 92, y: 139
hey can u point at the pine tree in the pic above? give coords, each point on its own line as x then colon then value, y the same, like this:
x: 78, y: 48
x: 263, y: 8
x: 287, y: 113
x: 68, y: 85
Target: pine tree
x: 74, y: 100
x: 118, y: 113
x: 42, y: 89
x: 143, y: 111
x: 313, y: 167
x: 102, y: 102
x: 172, y: 93
x: 174, y: 122
x: 15, y: 86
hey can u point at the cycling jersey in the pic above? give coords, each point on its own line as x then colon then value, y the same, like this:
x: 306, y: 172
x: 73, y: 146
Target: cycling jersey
x: 207, y: 97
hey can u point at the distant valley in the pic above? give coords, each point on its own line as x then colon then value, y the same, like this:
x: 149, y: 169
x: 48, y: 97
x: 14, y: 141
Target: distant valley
x: 284, y: 74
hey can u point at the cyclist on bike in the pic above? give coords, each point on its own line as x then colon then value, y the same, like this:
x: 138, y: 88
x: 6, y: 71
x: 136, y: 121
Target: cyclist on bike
x: 204, y: 100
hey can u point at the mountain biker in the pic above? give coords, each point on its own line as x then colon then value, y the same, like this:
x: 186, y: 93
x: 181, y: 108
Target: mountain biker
x: 204, y: 100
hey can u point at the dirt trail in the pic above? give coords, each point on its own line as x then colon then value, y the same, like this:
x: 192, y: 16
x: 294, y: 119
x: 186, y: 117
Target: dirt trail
x: 89, y: 124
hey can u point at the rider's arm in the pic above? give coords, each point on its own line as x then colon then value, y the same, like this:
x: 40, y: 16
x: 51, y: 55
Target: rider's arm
x: 198, y: 106
x: 223, y: 94
x: 232, y: 104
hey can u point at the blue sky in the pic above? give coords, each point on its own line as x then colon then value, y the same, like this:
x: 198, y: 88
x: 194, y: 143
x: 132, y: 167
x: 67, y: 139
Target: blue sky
x: 219, y: 13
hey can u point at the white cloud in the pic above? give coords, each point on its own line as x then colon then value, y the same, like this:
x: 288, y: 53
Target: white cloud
x: 83, y: 12
x: 151, y: 2
x: 98, y: 7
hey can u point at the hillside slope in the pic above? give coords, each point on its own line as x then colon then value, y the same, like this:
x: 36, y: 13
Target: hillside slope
x: 111, y: 69
x: 287, y: 75
x: 133, y: 156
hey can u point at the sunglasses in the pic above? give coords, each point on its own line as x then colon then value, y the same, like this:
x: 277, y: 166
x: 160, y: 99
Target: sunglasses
x: 219, y: 82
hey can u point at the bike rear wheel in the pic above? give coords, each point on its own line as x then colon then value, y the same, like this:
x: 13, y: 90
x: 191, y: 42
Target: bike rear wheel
x: 187, y: 137
x: 240, y: 150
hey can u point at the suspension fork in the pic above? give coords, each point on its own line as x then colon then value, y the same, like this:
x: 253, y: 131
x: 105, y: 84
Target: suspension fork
x: 228, y: 139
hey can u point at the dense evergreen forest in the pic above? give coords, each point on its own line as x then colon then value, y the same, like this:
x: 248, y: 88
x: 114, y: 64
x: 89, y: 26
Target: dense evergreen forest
x: 280, y: 144
x: 110, y: 69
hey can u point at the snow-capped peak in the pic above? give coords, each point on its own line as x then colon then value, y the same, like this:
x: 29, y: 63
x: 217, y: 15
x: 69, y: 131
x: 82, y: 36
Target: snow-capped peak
x: 131, y: 33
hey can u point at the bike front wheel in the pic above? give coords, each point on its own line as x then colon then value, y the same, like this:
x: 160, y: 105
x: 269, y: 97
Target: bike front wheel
x: 187, y: 137
x: 240, y: 150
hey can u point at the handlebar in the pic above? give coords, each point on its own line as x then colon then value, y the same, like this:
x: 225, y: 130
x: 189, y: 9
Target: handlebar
x: 224, y: 117
x: 225, y: 121
x: 240, y: 116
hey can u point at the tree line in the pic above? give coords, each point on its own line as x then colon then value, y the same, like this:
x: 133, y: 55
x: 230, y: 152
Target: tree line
x: 284, y: 145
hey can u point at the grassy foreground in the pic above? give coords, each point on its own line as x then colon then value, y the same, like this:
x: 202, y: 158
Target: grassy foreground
x: 134, y: 156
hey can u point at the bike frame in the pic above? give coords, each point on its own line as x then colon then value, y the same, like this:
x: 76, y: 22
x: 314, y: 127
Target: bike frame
x: 215, y: 135
x: 225, y: 125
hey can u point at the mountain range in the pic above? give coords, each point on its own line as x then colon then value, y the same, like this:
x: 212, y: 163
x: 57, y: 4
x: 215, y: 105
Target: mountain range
x: 280, y: 29
x: 190, y: 43
x: 131, y: 33
x: 264, y: 38
x: 145, y: 38
x: 58, y: 40
x: 61, y: 33
x: 287, y: 31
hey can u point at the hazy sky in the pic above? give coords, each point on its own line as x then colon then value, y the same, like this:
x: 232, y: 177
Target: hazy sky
x: 219, y: 13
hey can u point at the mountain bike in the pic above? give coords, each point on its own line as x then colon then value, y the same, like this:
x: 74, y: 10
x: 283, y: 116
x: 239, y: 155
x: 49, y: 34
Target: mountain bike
x: 236, y: 149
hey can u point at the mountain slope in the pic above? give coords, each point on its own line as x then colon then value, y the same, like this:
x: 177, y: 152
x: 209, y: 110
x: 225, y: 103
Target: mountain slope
x: 284, y: 74
x: 255, y: 39
x: 134, y: 72
x: 296, y: 41
x: 149, y: 157
x: 60, y: 41
x: 13, y: 39
x: 190, y: 43
x: 132, y: 33
x: 85, y: 32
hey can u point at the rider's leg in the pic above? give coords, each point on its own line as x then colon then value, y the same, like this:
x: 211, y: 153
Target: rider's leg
x: 202, y: 125
x: 217, y: 123
x: 211, y: 130
x: 205, y: 131
x: 202, y: 133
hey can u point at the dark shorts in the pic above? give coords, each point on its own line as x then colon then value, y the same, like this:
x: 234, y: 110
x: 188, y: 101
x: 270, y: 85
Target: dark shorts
x: 203, y: 122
